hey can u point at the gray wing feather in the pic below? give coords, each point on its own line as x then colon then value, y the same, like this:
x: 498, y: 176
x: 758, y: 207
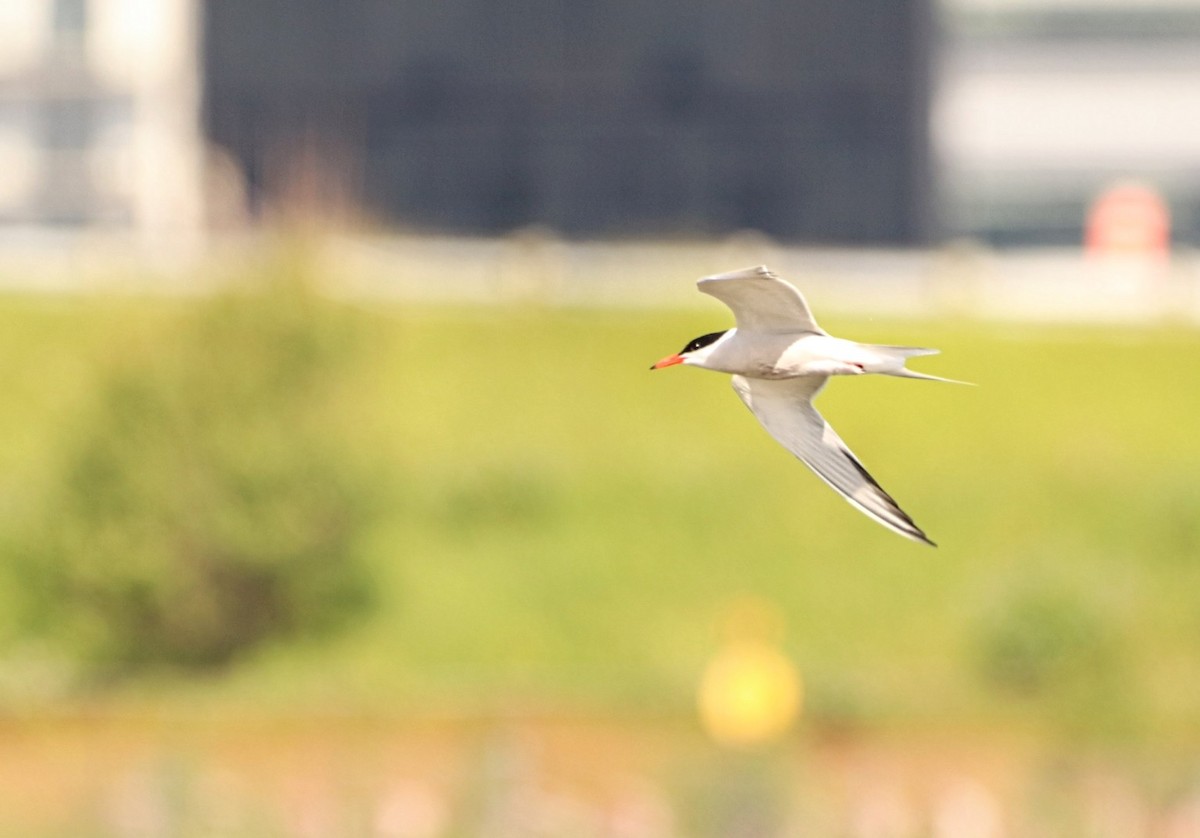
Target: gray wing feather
x: 761, y: 301
x: 784, y: 408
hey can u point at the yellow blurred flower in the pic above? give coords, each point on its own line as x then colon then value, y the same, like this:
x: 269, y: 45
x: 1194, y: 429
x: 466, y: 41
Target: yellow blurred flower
x: 750, y: 692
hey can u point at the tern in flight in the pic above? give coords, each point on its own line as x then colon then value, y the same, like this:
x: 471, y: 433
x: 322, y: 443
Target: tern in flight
x: 780, y: 359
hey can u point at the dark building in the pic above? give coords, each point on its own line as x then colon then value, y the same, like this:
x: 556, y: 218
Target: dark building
x: 806, y: 119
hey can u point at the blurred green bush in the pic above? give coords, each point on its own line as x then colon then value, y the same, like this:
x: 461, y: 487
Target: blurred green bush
x: 1047, y: 645
x: 1039, y: 641
x: 208, y: 502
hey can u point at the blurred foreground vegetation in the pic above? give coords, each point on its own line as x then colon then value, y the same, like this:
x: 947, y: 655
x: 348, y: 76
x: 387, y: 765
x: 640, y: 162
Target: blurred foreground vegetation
x: 486, y: 508
x: 202, y: 505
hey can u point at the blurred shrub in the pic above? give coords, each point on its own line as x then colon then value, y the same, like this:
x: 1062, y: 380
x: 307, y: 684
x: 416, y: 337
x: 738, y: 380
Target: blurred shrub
x: 1041, y: 641
x: 1062, y: 653
x: 207, y: 503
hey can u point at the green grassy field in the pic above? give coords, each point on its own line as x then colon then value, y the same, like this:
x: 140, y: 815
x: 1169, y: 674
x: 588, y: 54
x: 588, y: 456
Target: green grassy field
x: 561, y: 527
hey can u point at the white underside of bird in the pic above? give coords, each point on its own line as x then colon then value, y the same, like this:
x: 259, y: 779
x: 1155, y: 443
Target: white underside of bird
x: 780, y: 359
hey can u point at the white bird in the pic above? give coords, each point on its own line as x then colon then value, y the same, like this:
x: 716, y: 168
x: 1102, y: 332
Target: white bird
x: 780, y: 359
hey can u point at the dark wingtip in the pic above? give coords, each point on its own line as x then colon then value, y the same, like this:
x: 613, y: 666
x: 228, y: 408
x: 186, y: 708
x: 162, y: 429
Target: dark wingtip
x: 917, y: 534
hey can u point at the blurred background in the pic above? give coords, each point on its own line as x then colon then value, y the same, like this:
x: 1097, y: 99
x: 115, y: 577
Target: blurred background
x: 336, y: 500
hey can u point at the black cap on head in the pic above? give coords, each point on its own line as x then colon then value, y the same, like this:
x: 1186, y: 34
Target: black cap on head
x: 701, y: 342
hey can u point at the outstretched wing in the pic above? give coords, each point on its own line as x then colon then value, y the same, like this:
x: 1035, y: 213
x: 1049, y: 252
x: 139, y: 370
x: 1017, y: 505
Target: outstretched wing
x: 761, y: 301
x: 784, y: 407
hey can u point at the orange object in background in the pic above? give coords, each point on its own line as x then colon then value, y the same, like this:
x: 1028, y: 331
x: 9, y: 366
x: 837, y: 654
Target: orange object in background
x: 1128, y: 219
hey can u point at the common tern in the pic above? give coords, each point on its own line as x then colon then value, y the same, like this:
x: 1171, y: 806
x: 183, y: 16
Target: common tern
x: 780, y: 359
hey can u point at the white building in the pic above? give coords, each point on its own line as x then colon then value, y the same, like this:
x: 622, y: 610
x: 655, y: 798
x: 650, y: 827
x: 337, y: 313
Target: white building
x: 100, y: 121
x: 1041, y: 104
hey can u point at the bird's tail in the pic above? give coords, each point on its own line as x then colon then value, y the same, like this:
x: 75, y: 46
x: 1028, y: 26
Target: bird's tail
x: 889, y: 360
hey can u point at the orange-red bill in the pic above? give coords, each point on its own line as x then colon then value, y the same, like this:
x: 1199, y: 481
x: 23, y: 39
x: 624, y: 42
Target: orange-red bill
x: 669, y: 361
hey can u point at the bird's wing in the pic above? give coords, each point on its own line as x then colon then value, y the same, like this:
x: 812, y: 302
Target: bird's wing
x: 784, y: 407
x: 761, y: 301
